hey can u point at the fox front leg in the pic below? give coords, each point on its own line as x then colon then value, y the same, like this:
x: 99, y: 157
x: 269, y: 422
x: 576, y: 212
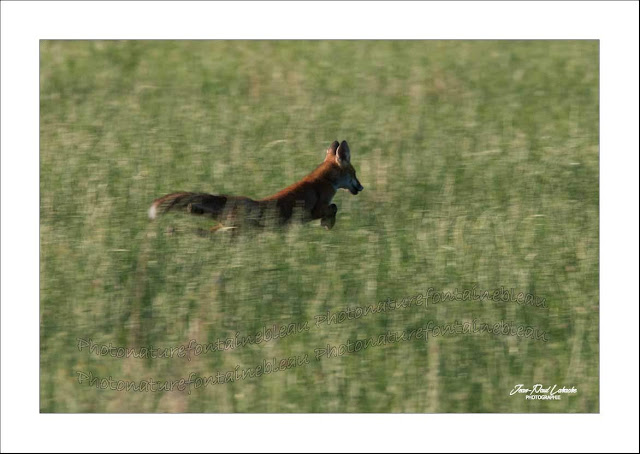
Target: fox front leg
x: 329, y: 218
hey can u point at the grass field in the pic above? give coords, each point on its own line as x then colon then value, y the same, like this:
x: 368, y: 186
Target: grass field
x: 480, y: 167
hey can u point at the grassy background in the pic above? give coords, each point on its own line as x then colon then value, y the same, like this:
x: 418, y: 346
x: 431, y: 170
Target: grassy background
x: 480, y: 167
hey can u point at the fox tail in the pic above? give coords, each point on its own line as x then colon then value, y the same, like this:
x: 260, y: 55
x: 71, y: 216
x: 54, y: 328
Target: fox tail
x: 190, y: 202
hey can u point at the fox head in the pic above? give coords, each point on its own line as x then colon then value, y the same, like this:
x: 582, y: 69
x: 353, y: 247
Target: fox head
x: 345, y: 176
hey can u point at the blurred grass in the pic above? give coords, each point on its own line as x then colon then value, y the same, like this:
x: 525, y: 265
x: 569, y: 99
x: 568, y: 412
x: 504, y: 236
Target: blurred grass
x: 480, y: 167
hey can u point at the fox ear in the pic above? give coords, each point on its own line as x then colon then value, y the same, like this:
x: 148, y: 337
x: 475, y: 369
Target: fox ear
x: 331, y: 151
x: 343, y: 153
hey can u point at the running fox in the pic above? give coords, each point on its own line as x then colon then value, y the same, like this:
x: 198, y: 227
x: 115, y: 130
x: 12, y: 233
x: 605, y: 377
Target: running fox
x: 312, y: 195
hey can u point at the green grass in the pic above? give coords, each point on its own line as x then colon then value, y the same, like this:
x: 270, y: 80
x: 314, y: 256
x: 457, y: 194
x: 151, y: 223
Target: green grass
x: 480, y: 167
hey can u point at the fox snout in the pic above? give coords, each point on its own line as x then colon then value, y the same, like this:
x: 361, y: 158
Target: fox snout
x: 356, y: 188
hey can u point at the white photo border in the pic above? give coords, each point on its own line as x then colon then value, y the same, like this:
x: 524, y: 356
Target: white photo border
x: 615, y: 24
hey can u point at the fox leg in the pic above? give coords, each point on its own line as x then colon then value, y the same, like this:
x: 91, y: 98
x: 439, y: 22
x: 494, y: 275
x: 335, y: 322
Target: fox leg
x: 324, y: 211
x: 328, y: 220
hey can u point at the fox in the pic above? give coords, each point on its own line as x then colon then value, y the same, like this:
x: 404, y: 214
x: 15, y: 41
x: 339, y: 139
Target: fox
x: 310, y: 197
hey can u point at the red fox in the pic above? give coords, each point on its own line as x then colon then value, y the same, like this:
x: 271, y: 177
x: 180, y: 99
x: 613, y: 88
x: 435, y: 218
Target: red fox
x: 312, y: 195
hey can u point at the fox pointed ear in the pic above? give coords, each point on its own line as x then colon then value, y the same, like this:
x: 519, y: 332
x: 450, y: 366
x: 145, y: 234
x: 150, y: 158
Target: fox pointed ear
x: 343, y: 153
x: 331, y: 151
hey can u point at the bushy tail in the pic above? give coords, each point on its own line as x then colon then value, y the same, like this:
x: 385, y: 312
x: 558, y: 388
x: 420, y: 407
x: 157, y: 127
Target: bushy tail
x: 190, y: 202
